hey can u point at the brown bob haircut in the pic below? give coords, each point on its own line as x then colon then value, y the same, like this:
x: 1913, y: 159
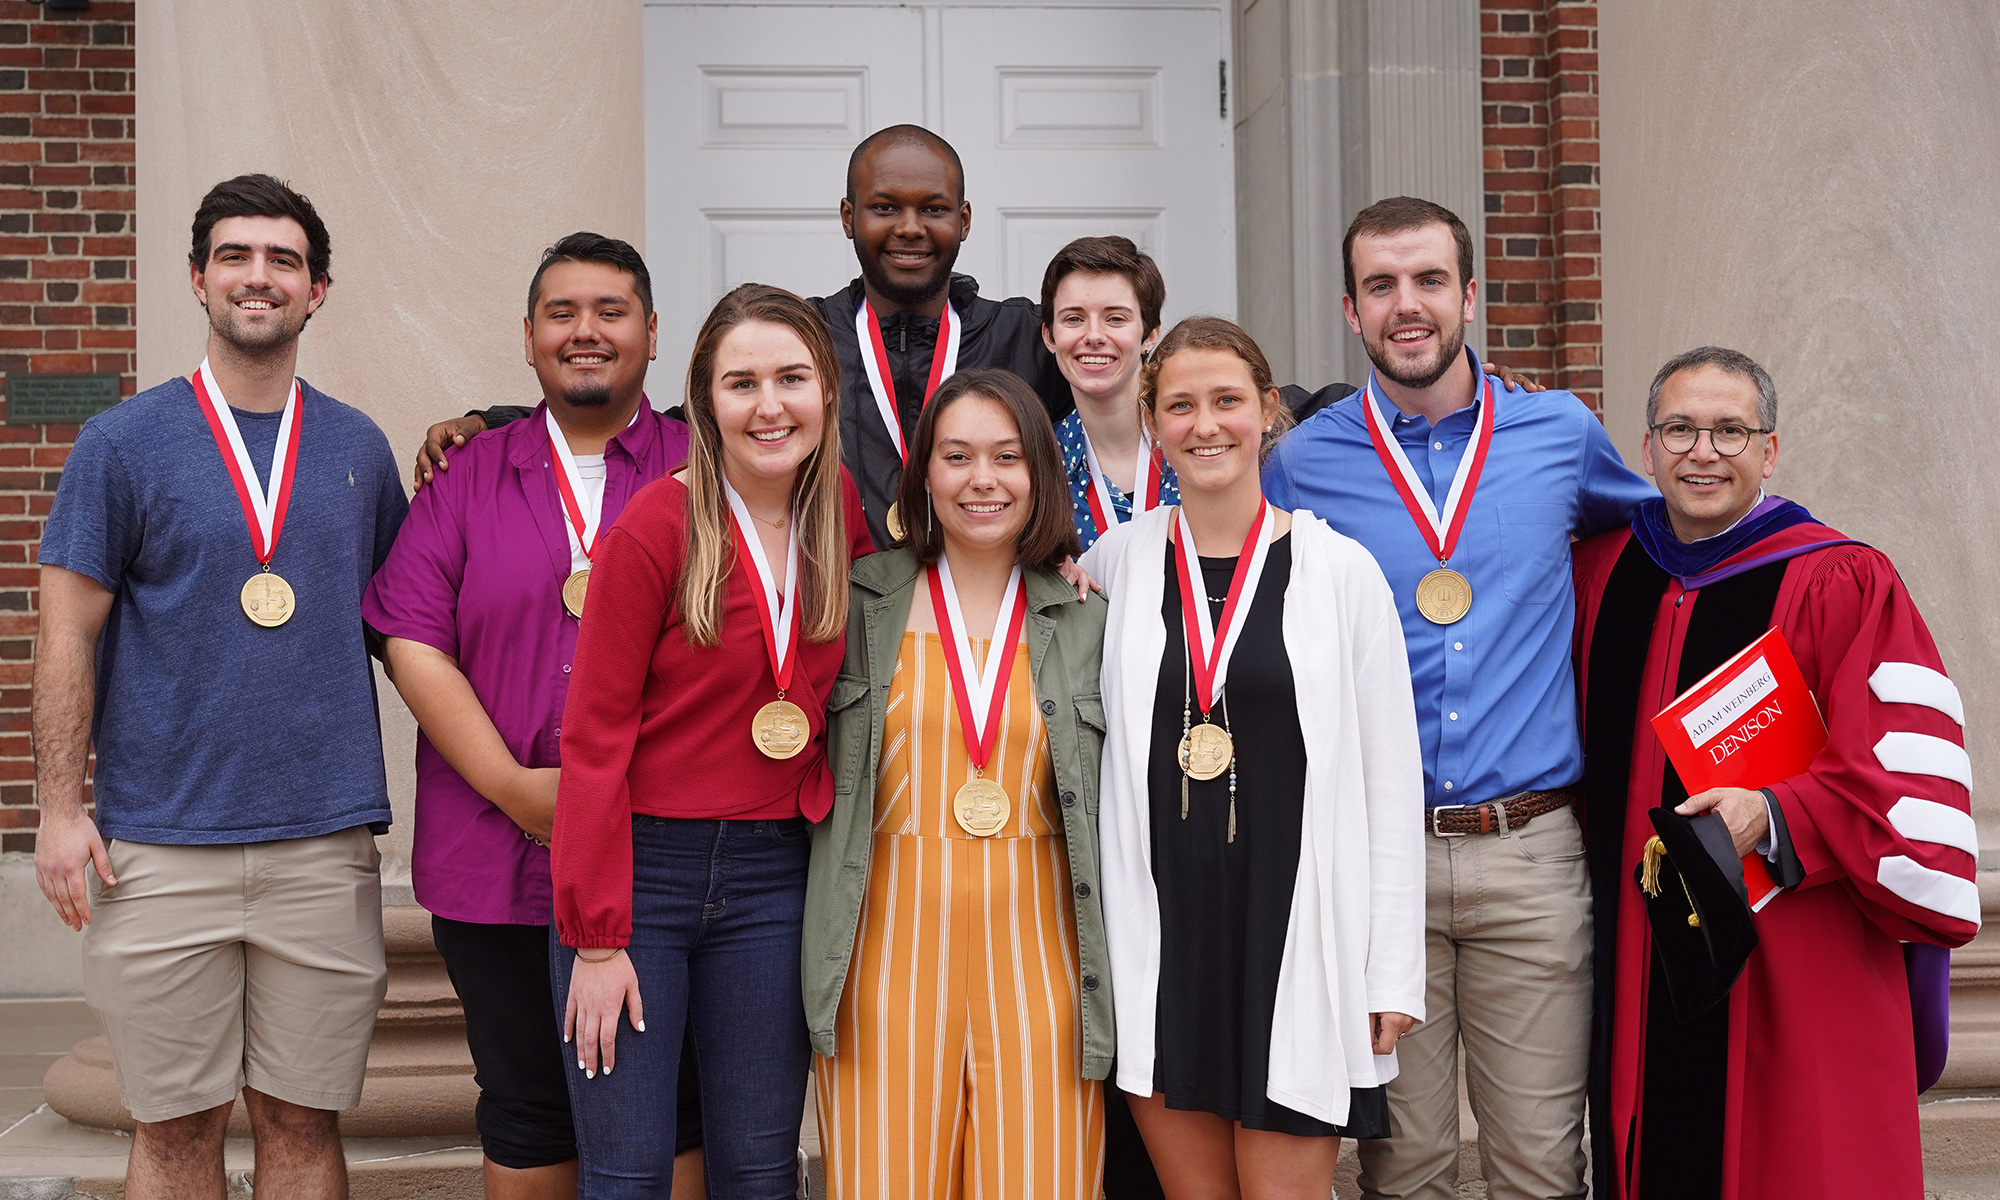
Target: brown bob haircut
x: 1400, y: 214
x: 1108, y: 256
x: 1215, y: 333
x: 1050, y: 534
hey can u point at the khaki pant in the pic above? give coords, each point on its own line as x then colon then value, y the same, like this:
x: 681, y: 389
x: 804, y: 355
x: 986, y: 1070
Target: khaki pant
x: 216, y: 966
x: 1507, y: 934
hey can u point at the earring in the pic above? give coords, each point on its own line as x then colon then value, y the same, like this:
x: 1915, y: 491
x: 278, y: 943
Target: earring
x: 928, y: 509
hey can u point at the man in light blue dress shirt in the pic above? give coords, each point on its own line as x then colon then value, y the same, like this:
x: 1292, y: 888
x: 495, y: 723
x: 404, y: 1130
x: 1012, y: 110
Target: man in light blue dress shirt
x: 1468, y: 493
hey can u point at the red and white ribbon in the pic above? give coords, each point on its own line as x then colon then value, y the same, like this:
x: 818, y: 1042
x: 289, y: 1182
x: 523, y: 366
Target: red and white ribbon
x: 1210, y: 645
x: 583, y: 506
x: 980, y: 693
x: 1440, y: 530
x: 875, y: 362
x: 777, y: 610
x: 263, y: 507
x: 1148, y: 474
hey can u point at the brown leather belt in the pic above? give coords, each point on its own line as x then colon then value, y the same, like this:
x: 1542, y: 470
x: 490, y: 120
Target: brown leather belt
x: 1458, y: 820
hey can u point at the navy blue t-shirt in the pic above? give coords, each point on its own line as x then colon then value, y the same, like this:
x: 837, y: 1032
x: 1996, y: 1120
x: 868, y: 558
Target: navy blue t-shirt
x: 210, y: 728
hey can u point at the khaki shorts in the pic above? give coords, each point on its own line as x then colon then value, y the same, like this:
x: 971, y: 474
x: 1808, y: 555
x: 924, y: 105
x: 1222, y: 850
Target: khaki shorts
x: 216, y: 967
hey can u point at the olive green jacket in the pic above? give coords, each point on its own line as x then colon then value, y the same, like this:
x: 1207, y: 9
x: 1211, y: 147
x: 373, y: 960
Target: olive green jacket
x: 1065, y: 639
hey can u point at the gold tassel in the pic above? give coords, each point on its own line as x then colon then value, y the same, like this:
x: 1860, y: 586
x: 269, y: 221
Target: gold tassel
x: 1649, y: 878
x: 1694, y: 918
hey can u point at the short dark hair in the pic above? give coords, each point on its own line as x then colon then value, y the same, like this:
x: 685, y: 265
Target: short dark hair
x: 595, y: 247
x: 1735, y: 362
x: 904, y: 135
x: 1050, y: 534
x: 1400, y: 214
x: 261, y: 196
x: 1108, y: 256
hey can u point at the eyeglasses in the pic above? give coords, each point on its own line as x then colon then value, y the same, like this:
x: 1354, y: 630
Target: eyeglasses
x: 1728, y: 438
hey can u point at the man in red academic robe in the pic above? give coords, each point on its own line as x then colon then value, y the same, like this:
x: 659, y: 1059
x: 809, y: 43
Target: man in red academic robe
x: 1804, y: 1082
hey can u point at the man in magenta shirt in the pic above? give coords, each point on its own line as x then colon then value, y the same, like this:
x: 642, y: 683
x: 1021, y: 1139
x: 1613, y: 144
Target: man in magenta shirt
x: 478, y: 603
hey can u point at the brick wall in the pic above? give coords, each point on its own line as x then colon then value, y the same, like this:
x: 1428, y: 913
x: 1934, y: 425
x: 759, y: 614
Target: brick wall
x: 66, y: 297
x: 1544, y: 285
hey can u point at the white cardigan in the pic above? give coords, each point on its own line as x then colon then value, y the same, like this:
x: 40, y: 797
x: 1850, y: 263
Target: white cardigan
x: 1354, y: 944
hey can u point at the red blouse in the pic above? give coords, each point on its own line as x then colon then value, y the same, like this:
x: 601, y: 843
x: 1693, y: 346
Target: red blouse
x: 659, y: 727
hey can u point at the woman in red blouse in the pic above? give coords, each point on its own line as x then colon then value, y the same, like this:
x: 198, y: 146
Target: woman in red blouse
x: 693, y: 751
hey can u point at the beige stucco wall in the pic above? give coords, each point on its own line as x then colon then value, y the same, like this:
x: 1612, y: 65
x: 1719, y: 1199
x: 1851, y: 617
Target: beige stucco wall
x: 444, y: 143
x: 1824, y: 194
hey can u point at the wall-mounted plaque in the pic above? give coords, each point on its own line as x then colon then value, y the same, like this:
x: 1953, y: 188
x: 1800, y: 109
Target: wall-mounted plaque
x: 34, y: 399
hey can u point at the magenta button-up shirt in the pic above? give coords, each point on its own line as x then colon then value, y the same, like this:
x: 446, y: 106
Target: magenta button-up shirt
x: 477, y: 571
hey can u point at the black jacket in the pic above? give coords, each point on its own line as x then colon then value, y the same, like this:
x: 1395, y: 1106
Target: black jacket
x: 998, y: 333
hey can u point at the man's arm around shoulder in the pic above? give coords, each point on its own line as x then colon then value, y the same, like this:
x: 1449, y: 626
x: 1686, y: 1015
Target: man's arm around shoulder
x: 74, y: 609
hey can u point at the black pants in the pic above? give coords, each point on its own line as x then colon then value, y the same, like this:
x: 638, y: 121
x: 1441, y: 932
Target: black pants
x: 501, y: 974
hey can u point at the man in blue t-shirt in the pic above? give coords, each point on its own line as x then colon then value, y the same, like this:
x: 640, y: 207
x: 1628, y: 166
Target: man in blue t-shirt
x: 201, y: 581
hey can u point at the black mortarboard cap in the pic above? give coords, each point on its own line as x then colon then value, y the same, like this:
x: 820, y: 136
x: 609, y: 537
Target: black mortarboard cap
x: 1692, y: 884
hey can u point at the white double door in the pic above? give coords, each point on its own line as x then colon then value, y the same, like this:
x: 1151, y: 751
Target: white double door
x: 1071, y: 121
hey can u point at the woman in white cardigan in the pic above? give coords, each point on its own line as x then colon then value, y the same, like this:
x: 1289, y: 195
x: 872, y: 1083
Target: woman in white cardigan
x: 1261, y: 820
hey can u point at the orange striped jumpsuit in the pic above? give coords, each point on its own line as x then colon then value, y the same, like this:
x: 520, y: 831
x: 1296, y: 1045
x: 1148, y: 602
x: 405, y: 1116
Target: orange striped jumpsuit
x: 959, y: 1071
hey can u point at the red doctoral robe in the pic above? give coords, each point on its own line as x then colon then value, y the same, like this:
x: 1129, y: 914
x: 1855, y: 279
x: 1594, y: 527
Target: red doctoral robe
x: 1820, y: 1087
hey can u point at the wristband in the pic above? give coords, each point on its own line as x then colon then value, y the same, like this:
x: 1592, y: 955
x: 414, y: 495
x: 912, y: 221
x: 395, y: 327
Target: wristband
x: 607, y: 958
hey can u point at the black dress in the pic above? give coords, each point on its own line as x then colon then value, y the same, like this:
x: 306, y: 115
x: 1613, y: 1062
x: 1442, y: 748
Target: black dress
x: 1225, y: 906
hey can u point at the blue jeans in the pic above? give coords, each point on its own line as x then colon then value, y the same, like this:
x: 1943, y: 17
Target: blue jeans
x: 716, y: 912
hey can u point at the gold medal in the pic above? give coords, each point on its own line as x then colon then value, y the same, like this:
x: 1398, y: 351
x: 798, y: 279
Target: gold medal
x: 780, y: 729
x: 572, y: 592
x: 895, y: 523
x: 982, y: 807
x: 1444, y: 596
x: 268, y: 600
x: 1206, y: 750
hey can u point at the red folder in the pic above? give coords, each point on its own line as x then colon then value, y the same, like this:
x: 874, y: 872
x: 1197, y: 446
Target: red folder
x: 1749, y: 723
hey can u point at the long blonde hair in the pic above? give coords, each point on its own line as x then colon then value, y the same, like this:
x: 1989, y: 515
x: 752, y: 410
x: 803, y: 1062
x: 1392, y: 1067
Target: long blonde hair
x: 816, y: 496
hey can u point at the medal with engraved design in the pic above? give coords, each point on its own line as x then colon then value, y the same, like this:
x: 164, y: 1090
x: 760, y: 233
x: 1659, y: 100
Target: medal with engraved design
x: 978, y: 693
x: 584, y: 511
x: 267, y: 599
x: 1443, y: 596
x: 875, y: 364
x: 573, y: 590
x: 982, y: 807
x: 1206, y: 750
x: 779, y: 729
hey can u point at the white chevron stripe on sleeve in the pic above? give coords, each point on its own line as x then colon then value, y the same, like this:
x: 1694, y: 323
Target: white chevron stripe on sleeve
x: 1922, y: 754
x: 1912, y: 683
x: 1928, y: 821
x: 1939, y: 891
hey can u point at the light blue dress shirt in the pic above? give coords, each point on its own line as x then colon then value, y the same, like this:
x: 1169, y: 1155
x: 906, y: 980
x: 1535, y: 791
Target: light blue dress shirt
x: 1496, y: 699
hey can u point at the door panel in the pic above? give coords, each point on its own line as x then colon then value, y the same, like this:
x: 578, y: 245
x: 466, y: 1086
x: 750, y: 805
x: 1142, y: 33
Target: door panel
x: 1070, y: 121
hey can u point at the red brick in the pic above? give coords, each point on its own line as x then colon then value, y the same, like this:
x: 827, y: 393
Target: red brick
x: 101, y: 151
x: 102, y: 293
x: 75, y: 363
x: 60, y: 127
x: 60, y: 175
x: 110, y: 339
